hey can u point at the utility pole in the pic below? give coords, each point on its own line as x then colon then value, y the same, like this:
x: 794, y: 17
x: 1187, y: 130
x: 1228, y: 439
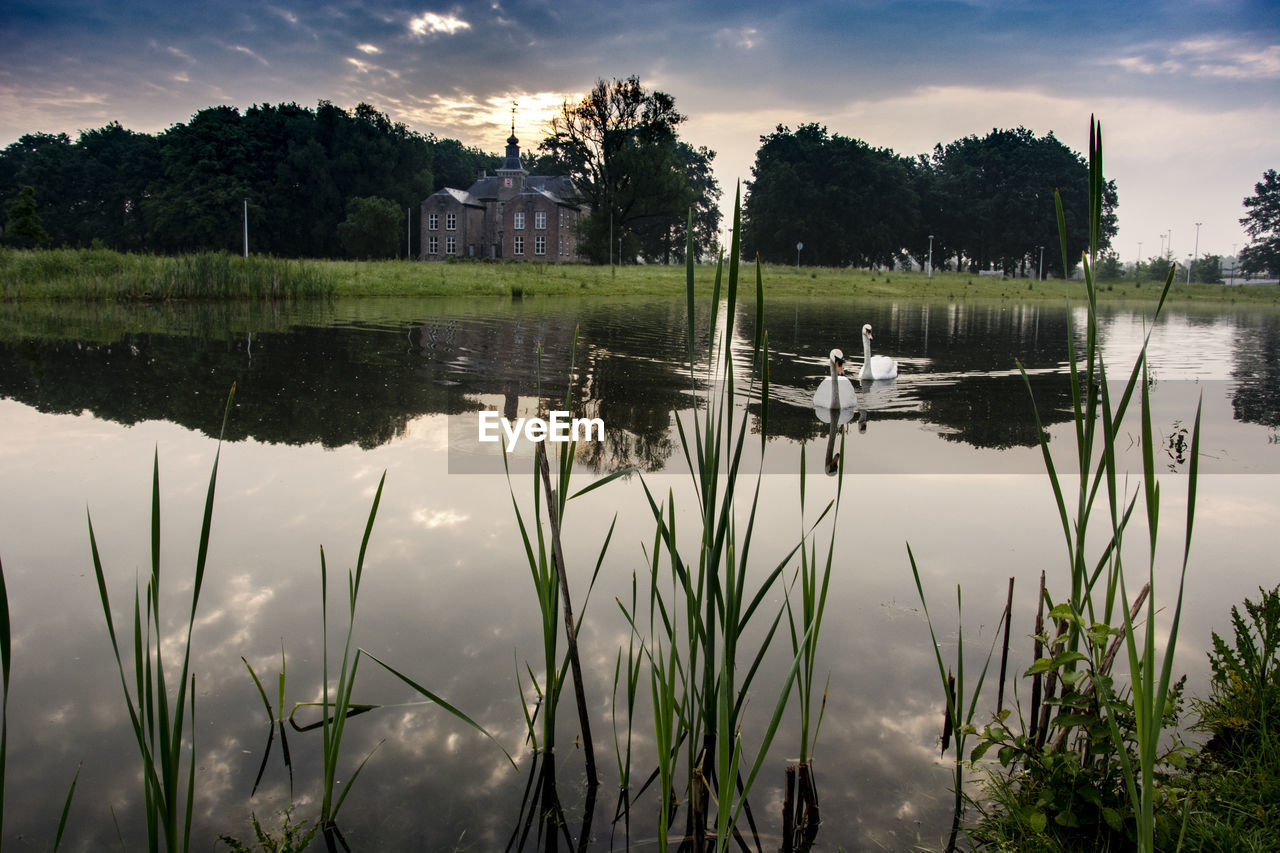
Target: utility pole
x: 246, y: 227
x: 1195, y: 253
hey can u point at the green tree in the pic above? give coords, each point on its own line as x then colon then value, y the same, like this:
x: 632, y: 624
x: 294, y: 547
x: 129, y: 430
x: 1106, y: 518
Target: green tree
x: 372, y: 228
x: 1262, y: 222
x: 1109, y: 266
x: 457, y: 165
x: 116, y: 169
x: 1157, y: 268
x: 847, y: 202
x: 621, y: 146
x: 997, y: 199
x: 1207, y: 269
x: 208, y: 175
x: 22, y: 226
x: 47, y: 163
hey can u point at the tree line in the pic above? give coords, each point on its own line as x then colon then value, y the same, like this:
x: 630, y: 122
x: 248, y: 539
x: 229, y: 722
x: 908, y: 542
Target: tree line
x: 302, y: 173
x: 977, y: 203
x: 328, y: 182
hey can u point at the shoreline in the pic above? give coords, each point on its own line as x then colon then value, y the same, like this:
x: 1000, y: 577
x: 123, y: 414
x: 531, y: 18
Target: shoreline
x: 98, y: 275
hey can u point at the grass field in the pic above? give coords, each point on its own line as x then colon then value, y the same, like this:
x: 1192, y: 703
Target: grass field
x: 97, y: 275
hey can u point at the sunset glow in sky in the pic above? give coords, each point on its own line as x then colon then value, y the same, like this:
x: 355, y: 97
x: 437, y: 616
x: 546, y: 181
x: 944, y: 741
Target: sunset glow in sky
x: 1188, y: 91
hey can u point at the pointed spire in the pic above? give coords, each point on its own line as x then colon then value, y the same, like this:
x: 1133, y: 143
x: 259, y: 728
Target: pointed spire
x: 511, y: 165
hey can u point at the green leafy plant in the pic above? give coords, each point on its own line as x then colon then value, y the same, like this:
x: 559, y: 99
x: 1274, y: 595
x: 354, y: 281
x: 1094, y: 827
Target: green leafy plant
x: 159, y: 706
x: 1243, y: 709
x: 1087, y: 764
x: 294, y: 837
x: 701, y: 671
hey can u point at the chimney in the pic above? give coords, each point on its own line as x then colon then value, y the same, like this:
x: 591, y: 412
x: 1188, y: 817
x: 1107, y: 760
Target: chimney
x: 481, y: 175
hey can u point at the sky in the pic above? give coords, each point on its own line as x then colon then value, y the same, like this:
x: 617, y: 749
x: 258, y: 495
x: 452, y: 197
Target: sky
x: 1187, y: 92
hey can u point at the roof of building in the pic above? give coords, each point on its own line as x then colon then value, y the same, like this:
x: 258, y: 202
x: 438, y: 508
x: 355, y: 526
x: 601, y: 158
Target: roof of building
x: 463, y: 196
x: 559, y: 189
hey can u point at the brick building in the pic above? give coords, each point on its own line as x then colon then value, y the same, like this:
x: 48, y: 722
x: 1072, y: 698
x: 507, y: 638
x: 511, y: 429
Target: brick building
x: 508, y: 215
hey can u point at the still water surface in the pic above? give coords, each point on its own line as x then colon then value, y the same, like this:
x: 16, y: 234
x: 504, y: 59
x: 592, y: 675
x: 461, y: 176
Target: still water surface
x: 328, y: 398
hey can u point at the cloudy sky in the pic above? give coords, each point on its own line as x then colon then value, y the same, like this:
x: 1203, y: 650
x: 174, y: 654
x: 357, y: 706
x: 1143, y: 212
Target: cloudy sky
x: 1188, y: 91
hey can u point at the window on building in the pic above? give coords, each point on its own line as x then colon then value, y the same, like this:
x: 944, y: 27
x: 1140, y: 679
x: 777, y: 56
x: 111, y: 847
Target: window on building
x: 539, y: 245
x: 519, y: 246
x: 450, y: 222
x: 433, y: 222
x: 540, y: 220
x: 518, y: 221
x: 451, y: 245
x: 433, y: 246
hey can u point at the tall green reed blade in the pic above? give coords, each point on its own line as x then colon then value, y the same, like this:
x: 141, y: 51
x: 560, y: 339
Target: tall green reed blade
x: 812, y: 604
x: 435, y: 699
x: 545, y: 557
x: 1099, y: 474
x: 66, y: 810
x: 275, y: 721
x: 631, y: 680
x: 333, y: 722
x: 1151, y: 694
x: 702, y: 679
x: 158, y: 724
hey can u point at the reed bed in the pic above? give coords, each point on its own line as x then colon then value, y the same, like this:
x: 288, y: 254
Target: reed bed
x: 101, y: 274
x: 702, y: 668
x: 158, y: 720
x: 1085, y: 767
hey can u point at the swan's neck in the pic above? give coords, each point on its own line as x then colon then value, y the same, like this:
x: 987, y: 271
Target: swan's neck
x: 866, y: 349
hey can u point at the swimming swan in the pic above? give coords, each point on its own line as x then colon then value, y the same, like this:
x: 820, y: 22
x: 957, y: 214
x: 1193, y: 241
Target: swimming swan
x: 877, y: 366
x: 843, y: 396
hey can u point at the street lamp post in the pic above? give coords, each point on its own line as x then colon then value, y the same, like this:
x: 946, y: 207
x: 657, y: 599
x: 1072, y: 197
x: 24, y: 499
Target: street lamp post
x: 1195, y: 253
x: 1041, y: 263
x: 1137, y: 266
x: 246, y: 227
x: 930, y: 256
x: 799, y: 246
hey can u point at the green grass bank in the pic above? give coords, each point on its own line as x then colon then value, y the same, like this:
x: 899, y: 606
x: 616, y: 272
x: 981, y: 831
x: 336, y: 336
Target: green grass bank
x: 103, y: 275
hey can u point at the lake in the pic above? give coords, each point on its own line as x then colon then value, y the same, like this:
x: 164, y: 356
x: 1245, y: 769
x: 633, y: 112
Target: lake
x: 331, y: 396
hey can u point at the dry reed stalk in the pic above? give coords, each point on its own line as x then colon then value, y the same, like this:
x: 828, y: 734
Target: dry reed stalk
x: 1004, y: 652
x: 571, y: 635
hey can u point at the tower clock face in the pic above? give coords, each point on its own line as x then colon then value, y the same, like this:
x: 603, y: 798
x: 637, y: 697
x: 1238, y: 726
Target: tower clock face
x: 506, y: 182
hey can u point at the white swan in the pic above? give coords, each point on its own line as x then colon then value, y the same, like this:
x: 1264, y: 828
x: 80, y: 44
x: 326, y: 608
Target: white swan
x: 836, y: 391
x: 878, y: 366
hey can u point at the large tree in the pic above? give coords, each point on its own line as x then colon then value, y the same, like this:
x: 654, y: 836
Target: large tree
x: 847, y: 202
x: 372, y: 228
x: 22, y: 227
x: 995, y: 198
x: 621, y: 146
x: 1263, y: 225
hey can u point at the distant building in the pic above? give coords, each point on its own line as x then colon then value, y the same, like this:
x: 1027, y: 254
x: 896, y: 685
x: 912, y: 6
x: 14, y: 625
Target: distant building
x: 511, y: 215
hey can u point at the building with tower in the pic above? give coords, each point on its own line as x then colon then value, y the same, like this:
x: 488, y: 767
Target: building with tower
x: 512, y: 215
